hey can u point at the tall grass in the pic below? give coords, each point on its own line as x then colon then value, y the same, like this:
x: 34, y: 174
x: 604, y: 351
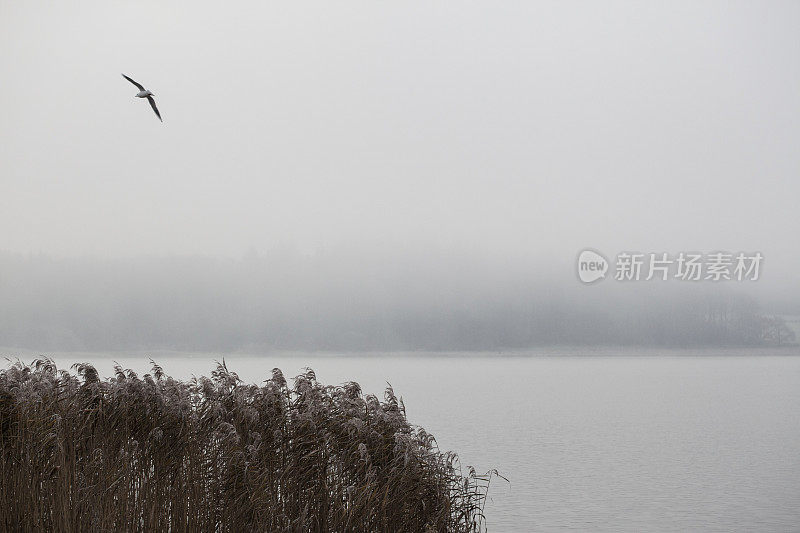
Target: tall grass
x: 215, y: 454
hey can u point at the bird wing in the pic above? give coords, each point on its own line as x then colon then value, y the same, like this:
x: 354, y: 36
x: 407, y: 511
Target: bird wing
x: 133, y: 82
x: 153, y: 105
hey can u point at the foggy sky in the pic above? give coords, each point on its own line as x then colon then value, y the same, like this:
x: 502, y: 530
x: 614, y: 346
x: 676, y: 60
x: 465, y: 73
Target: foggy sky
x: 517, y: 128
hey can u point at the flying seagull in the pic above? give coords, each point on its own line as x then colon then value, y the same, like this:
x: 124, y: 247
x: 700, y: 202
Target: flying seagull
x: 145, y: 93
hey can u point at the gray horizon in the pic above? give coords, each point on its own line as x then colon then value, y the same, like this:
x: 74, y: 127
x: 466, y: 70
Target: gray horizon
x: 496, y: 139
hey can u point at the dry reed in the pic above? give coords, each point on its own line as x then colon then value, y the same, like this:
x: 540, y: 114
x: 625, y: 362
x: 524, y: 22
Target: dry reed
x: 215, y: 454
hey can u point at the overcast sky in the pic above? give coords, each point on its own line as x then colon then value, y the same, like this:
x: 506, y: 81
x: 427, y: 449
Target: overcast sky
x: 527, y: 128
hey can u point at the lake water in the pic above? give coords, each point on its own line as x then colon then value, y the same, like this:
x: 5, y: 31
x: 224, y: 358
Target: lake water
x: 663, y: 441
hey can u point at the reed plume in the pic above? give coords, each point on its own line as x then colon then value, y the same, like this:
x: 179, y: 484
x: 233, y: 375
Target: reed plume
x: 152, y: 453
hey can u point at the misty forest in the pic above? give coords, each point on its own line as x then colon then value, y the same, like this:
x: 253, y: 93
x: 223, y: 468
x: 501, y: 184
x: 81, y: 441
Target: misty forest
x: 290, y: 301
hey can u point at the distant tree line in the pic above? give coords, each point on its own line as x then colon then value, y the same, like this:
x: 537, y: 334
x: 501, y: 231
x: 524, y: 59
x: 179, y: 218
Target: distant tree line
x: 345, y: 302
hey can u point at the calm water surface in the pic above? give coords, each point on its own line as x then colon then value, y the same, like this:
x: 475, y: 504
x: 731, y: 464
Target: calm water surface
x: 661, y: 442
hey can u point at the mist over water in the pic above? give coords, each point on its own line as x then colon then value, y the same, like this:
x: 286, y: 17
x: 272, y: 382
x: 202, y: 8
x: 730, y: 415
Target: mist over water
x: 347, y: 185
x: 380, y: 301
x: 388, y: 177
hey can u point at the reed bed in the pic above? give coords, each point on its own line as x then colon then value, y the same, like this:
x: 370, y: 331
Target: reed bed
x: 151, y: 453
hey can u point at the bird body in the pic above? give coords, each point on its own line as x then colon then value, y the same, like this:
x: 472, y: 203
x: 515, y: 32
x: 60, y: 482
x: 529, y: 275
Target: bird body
x: 145, y: 93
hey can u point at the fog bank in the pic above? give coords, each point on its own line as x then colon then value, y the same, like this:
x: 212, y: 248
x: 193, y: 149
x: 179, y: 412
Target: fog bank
x: 338, y: 300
